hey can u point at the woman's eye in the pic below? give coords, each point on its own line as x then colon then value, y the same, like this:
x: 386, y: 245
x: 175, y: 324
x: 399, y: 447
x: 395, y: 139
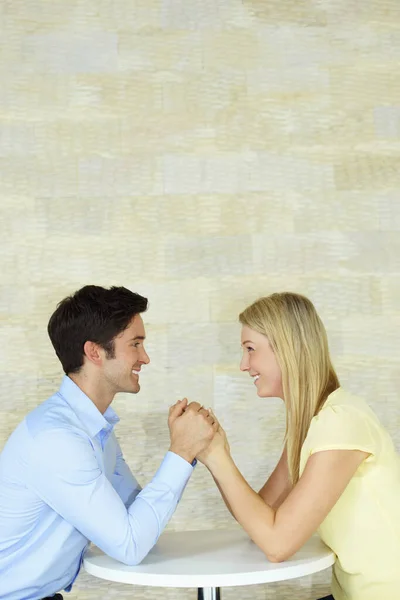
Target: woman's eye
x: 250, y: 349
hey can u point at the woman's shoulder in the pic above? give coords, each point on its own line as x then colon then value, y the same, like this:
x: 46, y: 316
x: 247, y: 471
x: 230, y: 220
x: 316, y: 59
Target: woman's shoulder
x: 343, y: 423
x: 341, y: 401
x: 345, y: 419
x: 344, y: 416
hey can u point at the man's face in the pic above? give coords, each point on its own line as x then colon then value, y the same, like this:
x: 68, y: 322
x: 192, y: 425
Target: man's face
x: 122, y: 371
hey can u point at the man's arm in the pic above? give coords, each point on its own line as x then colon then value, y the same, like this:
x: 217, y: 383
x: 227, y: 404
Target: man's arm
x: 123, y: 481
x: 63, y: 470
x: 71, y: 482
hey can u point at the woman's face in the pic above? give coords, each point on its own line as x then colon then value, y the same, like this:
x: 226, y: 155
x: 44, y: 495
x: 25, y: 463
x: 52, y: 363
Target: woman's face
x: 260, y: 361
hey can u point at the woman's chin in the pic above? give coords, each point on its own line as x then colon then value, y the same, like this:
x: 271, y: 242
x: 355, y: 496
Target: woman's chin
x: 262, y: 393
x: 265, y: 393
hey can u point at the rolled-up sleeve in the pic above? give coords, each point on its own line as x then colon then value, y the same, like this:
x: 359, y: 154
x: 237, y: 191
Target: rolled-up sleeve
x: 64, y: 472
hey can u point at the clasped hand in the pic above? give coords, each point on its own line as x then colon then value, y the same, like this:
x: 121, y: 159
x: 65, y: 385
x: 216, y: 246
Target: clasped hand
x: 196, y: 433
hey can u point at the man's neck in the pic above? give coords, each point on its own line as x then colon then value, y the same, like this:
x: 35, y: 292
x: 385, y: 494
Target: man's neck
x: 95, y: 390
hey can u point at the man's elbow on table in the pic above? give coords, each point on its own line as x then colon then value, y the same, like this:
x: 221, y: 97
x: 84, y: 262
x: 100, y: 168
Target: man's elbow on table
x: 131, y: 561
x: 131, y: 556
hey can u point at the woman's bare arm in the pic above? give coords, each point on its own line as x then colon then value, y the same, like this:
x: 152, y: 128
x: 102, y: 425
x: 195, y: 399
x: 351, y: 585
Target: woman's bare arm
x: 275, y: 490
x: 280, y: 533
x: 278, y: 486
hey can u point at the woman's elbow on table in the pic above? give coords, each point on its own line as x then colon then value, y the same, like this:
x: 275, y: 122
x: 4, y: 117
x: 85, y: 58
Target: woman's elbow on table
x: 278, y: 553
x: 277, y: 557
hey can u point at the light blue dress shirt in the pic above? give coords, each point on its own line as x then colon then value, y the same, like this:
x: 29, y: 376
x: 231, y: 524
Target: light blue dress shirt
x: 63, y: 483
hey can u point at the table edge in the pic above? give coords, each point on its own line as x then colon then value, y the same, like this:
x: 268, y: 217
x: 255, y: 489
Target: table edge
x: 214, y: 580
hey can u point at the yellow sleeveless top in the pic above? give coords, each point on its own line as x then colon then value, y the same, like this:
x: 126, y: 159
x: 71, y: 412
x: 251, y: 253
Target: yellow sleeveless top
x: 363, y: 528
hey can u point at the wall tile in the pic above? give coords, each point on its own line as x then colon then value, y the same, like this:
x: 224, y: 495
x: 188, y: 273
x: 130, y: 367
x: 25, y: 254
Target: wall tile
x: 202, y: 153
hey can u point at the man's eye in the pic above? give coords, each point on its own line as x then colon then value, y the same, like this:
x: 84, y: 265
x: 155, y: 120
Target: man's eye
x: 137, y: 344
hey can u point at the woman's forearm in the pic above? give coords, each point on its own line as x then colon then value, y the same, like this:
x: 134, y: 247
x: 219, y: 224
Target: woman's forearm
x: 278, y: 486
x: 248, y: 508
x: 228, y: 506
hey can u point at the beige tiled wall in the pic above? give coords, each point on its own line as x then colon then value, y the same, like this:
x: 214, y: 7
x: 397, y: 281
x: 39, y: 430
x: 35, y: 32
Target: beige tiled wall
x: 201, y: 152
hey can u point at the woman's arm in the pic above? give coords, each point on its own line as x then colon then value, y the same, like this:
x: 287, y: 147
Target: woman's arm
x: 280, y: 533
x: 277, y: 487
x: 228, y: 506
x: 275, y: 490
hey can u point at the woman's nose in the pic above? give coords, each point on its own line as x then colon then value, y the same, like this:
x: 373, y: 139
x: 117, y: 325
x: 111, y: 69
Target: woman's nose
x: 244, y: 364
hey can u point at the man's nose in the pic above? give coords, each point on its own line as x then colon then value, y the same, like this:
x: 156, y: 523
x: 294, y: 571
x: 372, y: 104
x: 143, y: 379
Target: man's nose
x: 145, y: 359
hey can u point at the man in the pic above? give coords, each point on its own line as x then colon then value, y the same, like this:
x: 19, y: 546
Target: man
x: 63, y: 479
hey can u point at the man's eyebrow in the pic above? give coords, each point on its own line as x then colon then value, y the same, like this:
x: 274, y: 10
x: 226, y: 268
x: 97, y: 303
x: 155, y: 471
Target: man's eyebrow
x: 138, y: 337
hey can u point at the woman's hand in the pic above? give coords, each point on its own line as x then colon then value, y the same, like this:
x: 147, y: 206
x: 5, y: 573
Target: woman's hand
x: 218, y: 449
x: 192, y: 428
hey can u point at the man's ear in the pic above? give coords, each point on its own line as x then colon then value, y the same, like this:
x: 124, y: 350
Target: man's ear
x: 93, y: 352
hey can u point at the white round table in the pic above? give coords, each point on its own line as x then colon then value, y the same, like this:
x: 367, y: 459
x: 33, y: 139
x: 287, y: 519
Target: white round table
x: 209, y: 560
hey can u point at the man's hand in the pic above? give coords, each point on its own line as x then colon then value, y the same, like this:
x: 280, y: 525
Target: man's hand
x: 191, y: 427
x: 218, y: 448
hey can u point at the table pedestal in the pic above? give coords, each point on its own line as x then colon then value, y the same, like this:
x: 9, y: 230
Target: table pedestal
x: 209, y: 593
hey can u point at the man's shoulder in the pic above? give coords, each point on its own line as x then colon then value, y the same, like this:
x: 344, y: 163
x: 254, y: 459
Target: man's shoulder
x: 54, y: 414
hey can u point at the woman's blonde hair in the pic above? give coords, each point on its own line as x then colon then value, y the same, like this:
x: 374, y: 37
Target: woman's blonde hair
x: 298, y: 338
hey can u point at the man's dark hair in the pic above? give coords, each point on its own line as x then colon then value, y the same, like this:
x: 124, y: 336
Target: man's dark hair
x: 94, y: 314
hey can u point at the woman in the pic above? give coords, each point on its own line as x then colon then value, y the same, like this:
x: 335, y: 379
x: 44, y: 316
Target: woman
x: 339, y: 473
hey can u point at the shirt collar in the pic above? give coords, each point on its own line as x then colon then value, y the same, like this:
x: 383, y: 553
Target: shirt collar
x: 86, y: 411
